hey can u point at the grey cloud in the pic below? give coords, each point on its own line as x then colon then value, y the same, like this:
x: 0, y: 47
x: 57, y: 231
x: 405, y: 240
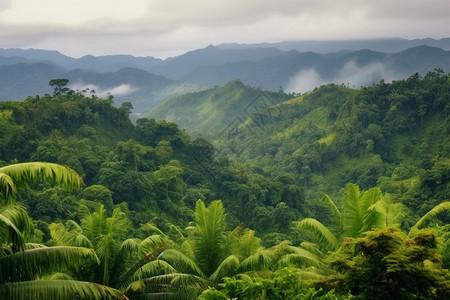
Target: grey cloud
x: 5, y: 4
x: 173, y: 25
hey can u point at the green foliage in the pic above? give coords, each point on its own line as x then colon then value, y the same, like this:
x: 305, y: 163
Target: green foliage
x: 384, y: 264
x: 59, y: 86
x: 58, y: 289
x: 268, y: 168
x: 214, y: 109
x: 25, y: 173
x: 282, y: 284
x: 33, y: 263
x: 433, y: 213
x: 209, y: 235
x: 325, y: 236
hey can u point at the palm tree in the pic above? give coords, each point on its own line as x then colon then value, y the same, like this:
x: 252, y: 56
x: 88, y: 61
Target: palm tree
x: 21, y: 263
x: 211, y: 253
x: 362, y: 211
x: 202, y: 260
x: 121, y: 259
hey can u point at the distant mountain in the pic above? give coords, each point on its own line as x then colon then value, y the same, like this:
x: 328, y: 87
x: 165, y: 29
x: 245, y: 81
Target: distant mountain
x: 211, y: 111
x: 107, y: 63
x: 36, y: 55
x: 302, y: 71
x: 24, y: 79
x: 179, y: 67
x: 147, y: 81
x: 145, y: 90
x: 390, y: 45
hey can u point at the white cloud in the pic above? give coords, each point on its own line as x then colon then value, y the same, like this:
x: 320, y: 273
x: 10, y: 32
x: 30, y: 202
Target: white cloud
x: 305, y: 81
x: 120, y: 90
x: 351, y: 74
x: 356, y: 76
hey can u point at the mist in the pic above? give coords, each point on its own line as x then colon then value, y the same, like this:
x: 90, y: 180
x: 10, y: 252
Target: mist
x: 120, y: 90
x: 350, y: 75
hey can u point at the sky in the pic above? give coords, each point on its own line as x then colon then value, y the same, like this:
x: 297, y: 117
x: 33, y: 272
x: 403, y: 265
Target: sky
x: 164, y: 28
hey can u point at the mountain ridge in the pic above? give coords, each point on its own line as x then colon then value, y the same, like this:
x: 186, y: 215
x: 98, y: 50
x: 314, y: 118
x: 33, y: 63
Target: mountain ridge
x: 268, y: 68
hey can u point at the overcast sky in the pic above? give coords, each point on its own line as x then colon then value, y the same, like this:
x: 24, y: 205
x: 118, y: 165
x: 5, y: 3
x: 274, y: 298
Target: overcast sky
x: 163, y: 28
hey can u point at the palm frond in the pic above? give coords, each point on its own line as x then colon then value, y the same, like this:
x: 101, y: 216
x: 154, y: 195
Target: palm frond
x: 154, y: 268
x: 18, y: 215
x: 300, y: 258
x: 59, y: 276
x: 28, y: 264
x: 124, y: 279
x: 69, y: 234
x: 227, y: 268
x: 57, y: 289
x: 7, y: 186
x: 261, y: 260
x: 186, y: 285
x: 432, y: 213
x: 312, y: 274
x: 118, y: 224
x: 151, y: 243
x: 353, y: 212
x: 25, y: 173
x: 323, y: 235
x: 10, y: 234
x: 29, y: 246
x: 312, y: 248
x: 181, y: 262
x: 324, y: 198
x: 210, y: 238
x: 373, y: 218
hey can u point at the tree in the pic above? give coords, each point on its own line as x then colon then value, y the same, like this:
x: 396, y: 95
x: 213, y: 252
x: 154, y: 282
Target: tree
x: 59, y: 86
x: 121, y: 259
x: 211, y: 254
x: 362, y: 211
x: 204, y: 259
x: 386, y: 264
x: 126, y: 107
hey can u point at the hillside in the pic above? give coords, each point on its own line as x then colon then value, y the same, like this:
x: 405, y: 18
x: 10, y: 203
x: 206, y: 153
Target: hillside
x: 148, y: 215
x: 211, y: 111
x: 391, y: 135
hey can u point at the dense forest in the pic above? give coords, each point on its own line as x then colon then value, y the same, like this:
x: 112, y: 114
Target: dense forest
x: 338, y: 193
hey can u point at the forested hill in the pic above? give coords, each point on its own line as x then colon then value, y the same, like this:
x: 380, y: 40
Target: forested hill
x: 395, y: 136
x: 148, y: 222
x: 211, y: 111
x: 153, y: 168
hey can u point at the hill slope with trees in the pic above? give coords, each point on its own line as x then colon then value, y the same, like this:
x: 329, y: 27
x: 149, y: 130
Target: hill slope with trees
x: 318, y: 193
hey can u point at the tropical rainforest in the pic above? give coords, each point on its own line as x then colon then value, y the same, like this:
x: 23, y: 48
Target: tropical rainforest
x: 338, y: 193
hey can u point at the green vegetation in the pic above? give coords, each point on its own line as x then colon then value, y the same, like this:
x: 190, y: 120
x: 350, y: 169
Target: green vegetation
x: 209, y: 112
x: 335, y: 194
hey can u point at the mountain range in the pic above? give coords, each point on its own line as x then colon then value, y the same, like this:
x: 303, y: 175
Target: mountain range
x: 290, y: 66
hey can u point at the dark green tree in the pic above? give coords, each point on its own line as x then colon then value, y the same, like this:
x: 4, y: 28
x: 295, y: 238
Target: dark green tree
x: 59, y: 86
